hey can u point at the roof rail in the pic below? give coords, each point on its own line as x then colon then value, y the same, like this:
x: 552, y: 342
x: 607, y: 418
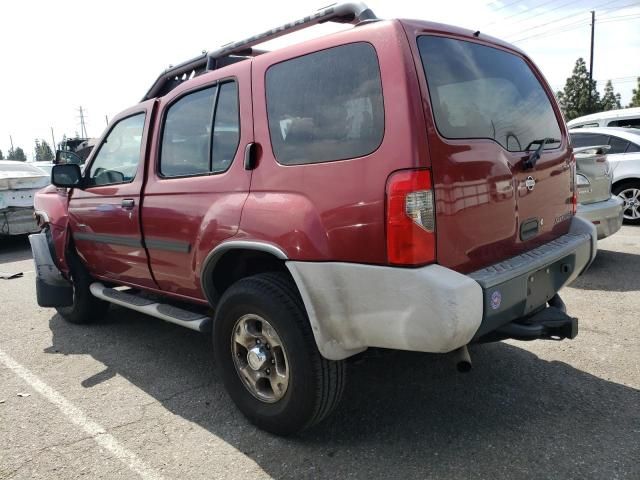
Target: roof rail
x: 352, y: 12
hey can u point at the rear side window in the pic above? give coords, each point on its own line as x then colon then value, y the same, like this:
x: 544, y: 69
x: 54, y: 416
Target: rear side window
x: 188, y: 145
x: 633, y: 148
x: 618, y: 145
x: 326, y: 106
x: 483, y: 92
x: 589, y: 139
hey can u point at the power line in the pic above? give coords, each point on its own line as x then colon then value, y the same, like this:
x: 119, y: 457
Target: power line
x: 574, y: 26
x: 518, y: 13
x: 567, y: 16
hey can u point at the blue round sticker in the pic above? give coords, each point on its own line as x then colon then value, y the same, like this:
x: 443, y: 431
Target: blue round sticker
x: 496, y: 300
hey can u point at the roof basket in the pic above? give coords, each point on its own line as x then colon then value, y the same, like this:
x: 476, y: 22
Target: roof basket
x: 353, y: 13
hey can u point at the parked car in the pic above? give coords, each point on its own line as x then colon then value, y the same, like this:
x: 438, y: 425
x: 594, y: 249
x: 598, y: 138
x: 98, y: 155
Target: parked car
x: 624, y: 117
x: 320, y: 200
x: 44, y: 166
x: 593, y: 181
x: 19, y: 181
x: 624, y: 160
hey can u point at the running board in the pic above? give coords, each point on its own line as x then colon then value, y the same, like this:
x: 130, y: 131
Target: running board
x: 169, y: 313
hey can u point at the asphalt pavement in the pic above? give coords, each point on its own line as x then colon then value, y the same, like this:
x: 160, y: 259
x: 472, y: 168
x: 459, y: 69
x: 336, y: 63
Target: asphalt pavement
x: 135, y: 397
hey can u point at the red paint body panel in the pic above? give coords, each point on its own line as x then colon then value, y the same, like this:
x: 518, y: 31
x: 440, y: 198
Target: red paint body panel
x: 479, y: 186
x: 335, y: 210
x: 55, y: 203
x: 200, y: 211
x: 98, y: 210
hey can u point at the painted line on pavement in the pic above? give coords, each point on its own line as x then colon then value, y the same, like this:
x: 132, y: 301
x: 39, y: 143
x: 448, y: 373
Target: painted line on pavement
x: 78, y: 417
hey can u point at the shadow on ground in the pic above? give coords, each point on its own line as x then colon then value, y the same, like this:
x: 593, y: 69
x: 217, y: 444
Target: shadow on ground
x: 14, y: 249
x: 611, y: 271
x: 404, y: 415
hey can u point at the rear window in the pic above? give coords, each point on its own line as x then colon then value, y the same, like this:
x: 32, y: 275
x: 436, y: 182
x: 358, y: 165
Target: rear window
x: 326, y: 105
x: 482, y: 92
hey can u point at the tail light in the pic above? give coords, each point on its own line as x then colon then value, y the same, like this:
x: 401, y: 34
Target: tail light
x: 574, y: 185
x: 411, y: 238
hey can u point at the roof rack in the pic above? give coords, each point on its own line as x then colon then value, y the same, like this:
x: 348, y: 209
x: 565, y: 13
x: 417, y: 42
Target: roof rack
x: 353, y: 12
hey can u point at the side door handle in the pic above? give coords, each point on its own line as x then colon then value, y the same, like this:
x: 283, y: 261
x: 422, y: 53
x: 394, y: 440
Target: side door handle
x: 128, y: 203
x: 250, y: 156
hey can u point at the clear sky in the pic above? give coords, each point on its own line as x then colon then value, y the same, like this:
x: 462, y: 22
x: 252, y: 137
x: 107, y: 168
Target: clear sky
x: 104, y: 55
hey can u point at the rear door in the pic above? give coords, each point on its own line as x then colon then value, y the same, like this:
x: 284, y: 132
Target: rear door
x: 491, y: 110
x: 105, y: 216
x: 197, y: 183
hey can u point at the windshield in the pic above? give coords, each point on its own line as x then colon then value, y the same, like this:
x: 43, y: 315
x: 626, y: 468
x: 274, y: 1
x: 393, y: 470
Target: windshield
x: 482, y: 92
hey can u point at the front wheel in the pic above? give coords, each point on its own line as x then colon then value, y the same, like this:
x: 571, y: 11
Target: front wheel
x: 85, y: 308
x: 268, y: 358
x: 629, y: 192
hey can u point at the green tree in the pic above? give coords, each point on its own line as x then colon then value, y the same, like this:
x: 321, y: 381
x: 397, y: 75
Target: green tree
x: 1, y: 155
x: 16, y: 154
x: 43, y: 151
x: 635, y: 97
x: 610, y: 99
x: 574, y: 99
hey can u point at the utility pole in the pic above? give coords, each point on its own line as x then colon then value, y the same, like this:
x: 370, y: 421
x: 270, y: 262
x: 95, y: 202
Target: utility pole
x: 83, y: 127
x: 53, y: 139
x: 11, y: 140
x: 106, y: 119
x: 593, y: 26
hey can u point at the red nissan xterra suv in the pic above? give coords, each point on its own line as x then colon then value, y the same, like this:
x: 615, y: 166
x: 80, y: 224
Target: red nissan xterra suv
x: 401, y: 184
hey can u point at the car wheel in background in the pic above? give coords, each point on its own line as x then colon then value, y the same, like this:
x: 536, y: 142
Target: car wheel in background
x: 629, y: 192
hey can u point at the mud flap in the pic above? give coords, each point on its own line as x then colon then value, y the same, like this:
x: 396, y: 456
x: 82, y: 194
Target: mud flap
x: 52, y: 289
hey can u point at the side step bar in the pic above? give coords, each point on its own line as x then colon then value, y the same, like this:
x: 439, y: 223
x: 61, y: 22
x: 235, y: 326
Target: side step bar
x: 169, y: 313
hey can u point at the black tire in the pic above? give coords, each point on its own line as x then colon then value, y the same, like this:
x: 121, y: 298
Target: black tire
x: 86, y: 308
x: 315, y: 383
x: 621, y: 187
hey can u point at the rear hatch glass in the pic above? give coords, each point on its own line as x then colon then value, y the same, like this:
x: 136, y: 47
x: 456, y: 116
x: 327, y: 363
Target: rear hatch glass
x: 491, y: 113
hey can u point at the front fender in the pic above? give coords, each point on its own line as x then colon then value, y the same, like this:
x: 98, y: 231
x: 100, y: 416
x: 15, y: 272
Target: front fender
x: 51, y: 206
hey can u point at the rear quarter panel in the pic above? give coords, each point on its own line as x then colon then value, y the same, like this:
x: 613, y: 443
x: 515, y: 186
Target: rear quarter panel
x: 336, y: 210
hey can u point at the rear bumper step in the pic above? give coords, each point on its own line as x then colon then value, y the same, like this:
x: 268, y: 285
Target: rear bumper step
x: 169, y: 313
x: 550, y: 323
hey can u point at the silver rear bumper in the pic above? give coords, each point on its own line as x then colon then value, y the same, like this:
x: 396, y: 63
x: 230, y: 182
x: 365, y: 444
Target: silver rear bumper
x: 606, y: 215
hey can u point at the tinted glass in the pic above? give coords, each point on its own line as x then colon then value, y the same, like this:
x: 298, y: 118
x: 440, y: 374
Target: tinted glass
x: 618, y: 145
x: 226, y: 131
x: 118, y: 157
x: 185, y: 138
x: 633, y: 148
x: 326, y: 105
x: 589, y: 139
x: 628, y: 122
x: 482, y: 92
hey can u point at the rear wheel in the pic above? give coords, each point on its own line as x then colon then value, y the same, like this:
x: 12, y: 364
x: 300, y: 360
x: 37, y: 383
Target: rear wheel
x: 85, y: 308
x: 268, y: 358
x: 629, y: 192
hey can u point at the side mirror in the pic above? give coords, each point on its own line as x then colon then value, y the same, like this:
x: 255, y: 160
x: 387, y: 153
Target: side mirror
x: 64, y: 157
x: 66, y: 175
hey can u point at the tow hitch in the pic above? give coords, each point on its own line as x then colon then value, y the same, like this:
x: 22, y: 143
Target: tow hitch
x: 550, y: 323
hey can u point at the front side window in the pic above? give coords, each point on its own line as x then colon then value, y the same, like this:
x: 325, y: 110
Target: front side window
x: 119, y: 154
x: 483, y: 92
x: 326, y: 105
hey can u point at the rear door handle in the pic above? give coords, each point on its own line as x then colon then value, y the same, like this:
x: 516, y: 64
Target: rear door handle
x: 128, y: 203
